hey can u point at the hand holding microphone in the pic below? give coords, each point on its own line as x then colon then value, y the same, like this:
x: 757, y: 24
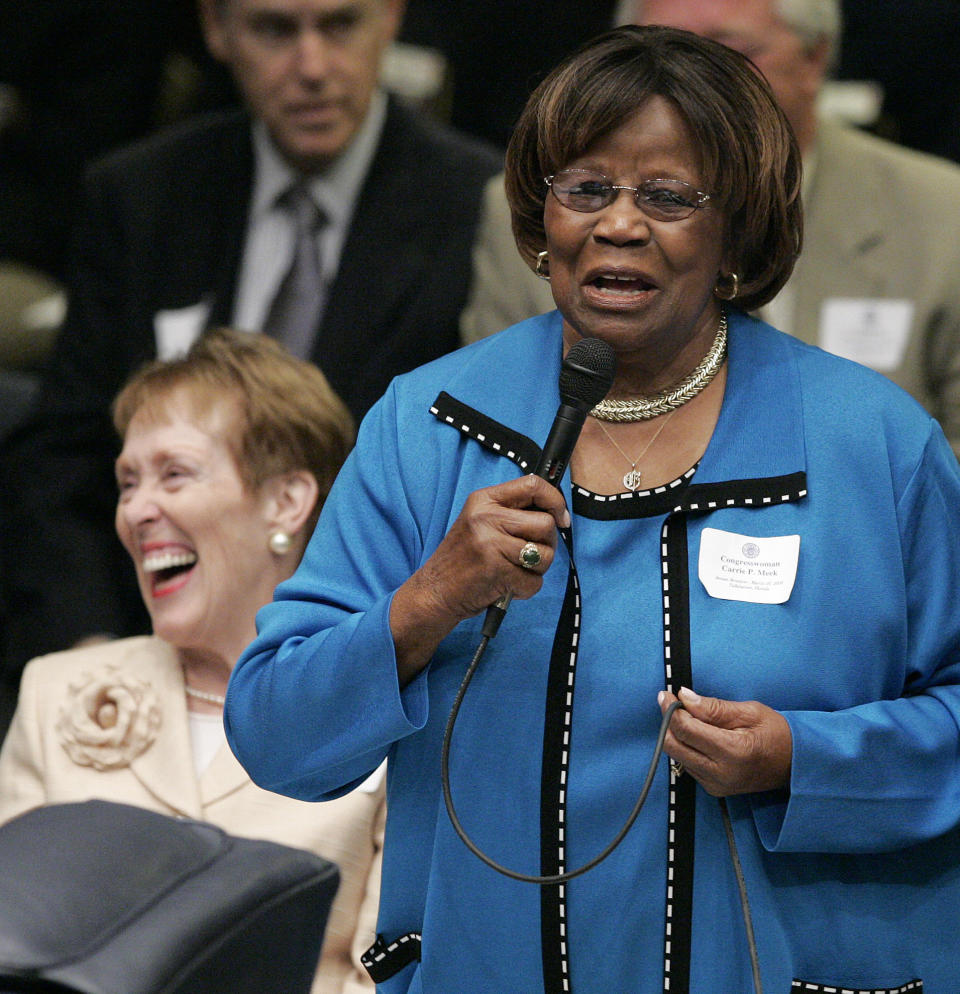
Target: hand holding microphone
x: 585, y: 378
x: 477, y: 566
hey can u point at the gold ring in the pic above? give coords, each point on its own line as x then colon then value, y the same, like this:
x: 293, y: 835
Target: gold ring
x: 530, y: 556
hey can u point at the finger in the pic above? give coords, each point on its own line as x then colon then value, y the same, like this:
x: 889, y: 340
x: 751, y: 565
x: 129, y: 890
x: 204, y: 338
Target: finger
x: 685, y: 759
x: 674, y: 747
x: 531, y: 491
x: 696, y: 745
x: 731, y: 747
x: 709, y: 726
x: 504, y: 511
x: 527, y: 539
x: 527, y: 525
x: 509, y: 531
x: 665, y: 698
x: 534, y: 557
x: 488, y: 535
x: 716, y: 712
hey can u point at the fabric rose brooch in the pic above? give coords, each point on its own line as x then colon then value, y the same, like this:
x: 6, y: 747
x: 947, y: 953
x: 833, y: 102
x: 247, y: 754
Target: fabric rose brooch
x: 110, y: 718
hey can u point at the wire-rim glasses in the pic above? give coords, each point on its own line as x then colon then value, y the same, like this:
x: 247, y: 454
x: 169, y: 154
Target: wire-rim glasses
x: 588, y: 191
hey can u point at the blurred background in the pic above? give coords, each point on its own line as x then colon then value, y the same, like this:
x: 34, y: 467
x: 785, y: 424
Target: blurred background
x: 81, y: 77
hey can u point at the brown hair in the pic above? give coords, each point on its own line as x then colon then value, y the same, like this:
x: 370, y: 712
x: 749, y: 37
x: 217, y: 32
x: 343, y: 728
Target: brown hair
x: 287, y: 415
x: 750, y: 158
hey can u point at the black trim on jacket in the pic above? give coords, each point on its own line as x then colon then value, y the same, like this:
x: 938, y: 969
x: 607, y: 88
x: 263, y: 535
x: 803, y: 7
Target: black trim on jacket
x: 678, y: 501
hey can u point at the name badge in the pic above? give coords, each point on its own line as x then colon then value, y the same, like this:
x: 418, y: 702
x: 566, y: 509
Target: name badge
x: 871, y: 332
x: 744, y: 568
x: 177, y: 330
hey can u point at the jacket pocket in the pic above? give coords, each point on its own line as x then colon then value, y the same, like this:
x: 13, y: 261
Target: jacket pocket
x: 805, y: 987
x: 383, y: 960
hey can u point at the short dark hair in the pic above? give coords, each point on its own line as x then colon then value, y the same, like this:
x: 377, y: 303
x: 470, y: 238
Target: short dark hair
x: 751, y: 161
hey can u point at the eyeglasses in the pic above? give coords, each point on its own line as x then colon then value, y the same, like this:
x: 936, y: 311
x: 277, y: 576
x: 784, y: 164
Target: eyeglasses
x: 587, y: 191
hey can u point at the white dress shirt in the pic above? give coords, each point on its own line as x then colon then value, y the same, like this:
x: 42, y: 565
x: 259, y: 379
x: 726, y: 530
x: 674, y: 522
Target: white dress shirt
x: 268, y: 247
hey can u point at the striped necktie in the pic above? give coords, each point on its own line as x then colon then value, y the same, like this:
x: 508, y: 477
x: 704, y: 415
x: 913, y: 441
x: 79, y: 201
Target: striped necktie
x: 295, y: 312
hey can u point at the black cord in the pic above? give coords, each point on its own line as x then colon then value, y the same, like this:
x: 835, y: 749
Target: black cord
x: 558, y: 878
x: 744, y: 901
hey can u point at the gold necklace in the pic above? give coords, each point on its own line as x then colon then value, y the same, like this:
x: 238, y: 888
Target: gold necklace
x: 644, y: 408
x: 631, y: 480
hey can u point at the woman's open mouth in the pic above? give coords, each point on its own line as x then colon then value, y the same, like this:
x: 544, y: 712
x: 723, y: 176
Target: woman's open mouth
x: 168, y: 571
x: 626, y: 285
x: 611, y: 289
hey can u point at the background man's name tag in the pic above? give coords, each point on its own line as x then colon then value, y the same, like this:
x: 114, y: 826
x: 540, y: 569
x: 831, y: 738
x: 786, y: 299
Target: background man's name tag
x: 871, y: 332
x: 743, y: 568
x: 177, y: 330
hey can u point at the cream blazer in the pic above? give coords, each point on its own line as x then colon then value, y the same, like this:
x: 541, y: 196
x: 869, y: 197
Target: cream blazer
x: 110, y: 721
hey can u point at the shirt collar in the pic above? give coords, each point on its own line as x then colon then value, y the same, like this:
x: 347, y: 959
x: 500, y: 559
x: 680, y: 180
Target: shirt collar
x: 338, y: 186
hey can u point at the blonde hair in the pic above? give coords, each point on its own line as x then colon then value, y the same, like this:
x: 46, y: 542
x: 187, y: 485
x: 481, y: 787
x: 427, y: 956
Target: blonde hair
x: 750, y: 158
x: 288, y: 417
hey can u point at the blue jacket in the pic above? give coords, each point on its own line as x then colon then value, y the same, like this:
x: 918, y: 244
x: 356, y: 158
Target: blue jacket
x: 853, y: 875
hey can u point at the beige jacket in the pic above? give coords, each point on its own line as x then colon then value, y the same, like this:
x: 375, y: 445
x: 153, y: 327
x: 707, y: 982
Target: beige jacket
x: 110, y: 721
x: 878, y: 279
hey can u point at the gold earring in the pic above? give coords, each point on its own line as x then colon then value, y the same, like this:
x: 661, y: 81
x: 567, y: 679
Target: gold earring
x: 280, y: 542
x: 543, y: 259
x: 731, y: 293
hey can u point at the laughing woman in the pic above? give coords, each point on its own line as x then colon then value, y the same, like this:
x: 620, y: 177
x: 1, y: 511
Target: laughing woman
x: 228, y: 455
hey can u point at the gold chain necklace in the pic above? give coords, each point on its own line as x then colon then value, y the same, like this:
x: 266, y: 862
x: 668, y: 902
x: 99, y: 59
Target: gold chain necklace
x: 631, y: 479
x: 644, y: 408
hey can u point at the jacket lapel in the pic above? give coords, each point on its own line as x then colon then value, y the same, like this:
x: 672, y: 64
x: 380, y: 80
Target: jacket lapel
x: 845, y: 233
x: 228, y: 189
x: 382, y: 256
x: 224, y: 776
x: 193, y: 244
x: 166, y: 769
x: 762, y: 375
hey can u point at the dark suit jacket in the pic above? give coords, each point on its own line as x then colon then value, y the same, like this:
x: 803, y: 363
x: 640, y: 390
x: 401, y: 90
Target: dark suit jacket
x: 163, y: 229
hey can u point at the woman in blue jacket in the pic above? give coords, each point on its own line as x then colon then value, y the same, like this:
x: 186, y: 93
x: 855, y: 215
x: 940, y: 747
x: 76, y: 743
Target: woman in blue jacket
x: 764, y: 531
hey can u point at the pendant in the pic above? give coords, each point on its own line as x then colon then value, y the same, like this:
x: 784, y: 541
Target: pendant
x: 631, y: 480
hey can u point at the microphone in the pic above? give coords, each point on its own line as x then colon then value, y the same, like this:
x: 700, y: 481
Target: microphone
x: 586, y: 375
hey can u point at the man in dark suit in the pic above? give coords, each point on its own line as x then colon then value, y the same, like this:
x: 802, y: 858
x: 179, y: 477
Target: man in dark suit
x: 187, y: 231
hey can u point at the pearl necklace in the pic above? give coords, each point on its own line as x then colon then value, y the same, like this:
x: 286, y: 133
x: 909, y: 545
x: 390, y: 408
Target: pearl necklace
x: 644, y: 408
x: 204, y: 695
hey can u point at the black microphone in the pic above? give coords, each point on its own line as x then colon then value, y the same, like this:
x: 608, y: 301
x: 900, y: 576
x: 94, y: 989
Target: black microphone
x: 585, y: 377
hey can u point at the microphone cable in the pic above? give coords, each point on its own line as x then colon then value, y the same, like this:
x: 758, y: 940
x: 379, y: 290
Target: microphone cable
x: 557, y: 878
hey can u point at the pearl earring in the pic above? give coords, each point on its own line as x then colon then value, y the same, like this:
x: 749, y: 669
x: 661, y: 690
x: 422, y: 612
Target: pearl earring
x: 280, y: 542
